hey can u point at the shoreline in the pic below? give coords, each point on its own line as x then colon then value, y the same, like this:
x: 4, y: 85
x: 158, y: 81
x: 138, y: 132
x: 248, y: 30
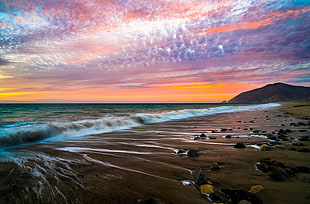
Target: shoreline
x: 141, y: 163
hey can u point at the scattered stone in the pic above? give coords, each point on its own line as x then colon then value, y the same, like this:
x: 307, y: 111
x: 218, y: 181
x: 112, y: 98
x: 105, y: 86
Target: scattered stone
x: 299, y: 144
x: 203, y: 136
x: 215, y: 166
x: 255, y: 131
x: 302, y: 130
x: 212, y: 197
x: 239, y: 145
x: 228, y: 136
x: 206, y: 189
x: 199, y: 177
x: 225, y: 130
x: 288, y: 131
x: 278, y: 174
x: 303, y: 169
x: 193, y: 153
x: 236, y: 196
x: 292, y: 149
x: 262, y: 167
x: 301, y: 124
x: 293, y: 124
x: 304, y: 150
x: 256, y: 189
x: 196, y: 138
x: 181, y: 152
x: 264, y: 147
x: 304, y: 138
x: 212, y: 137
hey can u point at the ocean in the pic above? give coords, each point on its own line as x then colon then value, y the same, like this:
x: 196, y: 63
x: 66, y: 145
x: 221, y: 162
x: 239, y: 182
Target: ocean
x: 22, y: 124
x: 114, y: 153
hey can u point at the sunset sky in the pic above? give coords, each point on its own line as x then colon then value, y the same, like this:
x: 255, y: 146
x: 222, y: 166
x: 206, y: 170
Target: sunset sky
x: 150, y: 50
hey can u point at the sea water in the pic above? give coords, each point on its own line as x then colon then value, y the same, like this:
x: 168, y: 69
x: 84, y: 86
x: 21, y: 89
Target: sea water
x: 22, y: 124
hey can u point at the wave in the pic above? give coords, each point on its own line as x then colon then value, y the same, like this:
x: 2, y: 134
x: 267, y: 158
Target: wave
x: 32, y: 132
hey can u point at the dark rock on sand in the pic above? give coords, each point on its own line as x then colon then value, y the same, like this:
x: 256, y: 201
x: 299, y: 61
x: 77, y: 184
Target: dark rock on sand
x: 203, y: 136
x: 236, y: 196
x: 212, y: 138
x: 214, y: 198
x: 292, y: 149
x: 262, y: 167
x: 278, y: 174
x: 239, y: 145
x: 193, y: 153
x: 228, y: 136
x: 304, y: 150
x: 181, y: 152
x: 199, y: 177
x: 225, y: 130
x: 304, y: 138
x: 215, y: 166
x: 303, y: 169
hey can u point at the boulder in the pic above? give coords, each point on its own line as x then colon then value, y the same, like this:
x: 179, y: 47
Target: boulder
x: 236, y: 196
x: 278, y: 174
x: 193, y: 153
x: 206, y: 189
x: 199, y: 177
x: 239, y: 145
x: 203, y: 136
x: 256, y: 189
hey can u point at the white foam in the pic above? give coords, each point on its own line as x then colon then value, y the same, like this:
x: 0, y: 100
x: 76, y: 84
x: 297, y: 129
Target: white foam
x: 53, y: 131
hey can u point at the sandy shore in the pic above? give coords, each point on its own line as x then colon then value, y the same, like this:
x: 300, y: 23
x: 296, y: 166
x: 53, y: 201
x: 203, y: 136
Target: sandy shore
x: 141, y: 163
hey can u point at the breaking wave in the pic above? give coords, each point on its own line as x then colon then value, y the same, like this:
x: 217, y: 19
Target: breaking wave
x: 32, y: 132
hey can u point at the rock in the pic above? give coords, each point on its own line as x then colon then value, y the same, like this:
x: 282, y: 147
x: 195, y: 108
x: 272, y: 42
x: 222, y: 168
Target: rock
x: 206, y: 189
x: 292, y: 149
x: 225, y: 130
x: 264, y: 147
x: 255, y: 131
x: 278, y: 174
x: 301, y: 124
x: 256, y: 189
x: 288, y: 130
x: 304, y: 138
x: 199, y: 177
x: 239, y: 145
x: 213, y: 198
x: 215, y: 166
x: 303, y: 169
x: 304, y: 150
x: 193, y: 153
x: 212, y: 138
x: 228, y: 136
x: 236, y: 196
x: 262, y: 167
x: 203, y: 136
x: 196, y: 138
x: 181, y: 152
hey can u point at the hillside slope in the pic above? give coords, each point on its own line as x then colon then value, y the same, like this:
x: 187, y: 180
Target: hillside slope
x: 278, y: 92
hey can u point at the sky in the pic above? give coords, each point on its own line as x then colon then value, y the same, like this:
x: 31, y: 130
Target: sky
x: 150, y: 50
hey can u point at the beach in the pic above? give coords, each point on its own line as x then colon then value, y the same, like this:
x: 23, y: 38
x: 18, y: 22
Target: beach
x: 144, y: 162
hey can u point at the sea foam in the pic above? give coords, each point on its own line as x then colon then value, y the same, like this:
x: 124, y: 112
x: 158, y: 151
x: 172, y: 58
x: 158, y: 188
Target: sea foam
x: 31, y: 132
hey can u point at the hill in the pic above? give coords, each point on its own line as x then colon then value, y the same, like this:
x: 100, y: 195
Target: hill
x: 278, y: 92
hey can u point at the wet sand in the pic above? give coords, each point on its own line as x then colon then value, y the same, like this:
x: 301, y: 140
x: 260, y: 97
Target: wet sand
x: 141, y: 163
